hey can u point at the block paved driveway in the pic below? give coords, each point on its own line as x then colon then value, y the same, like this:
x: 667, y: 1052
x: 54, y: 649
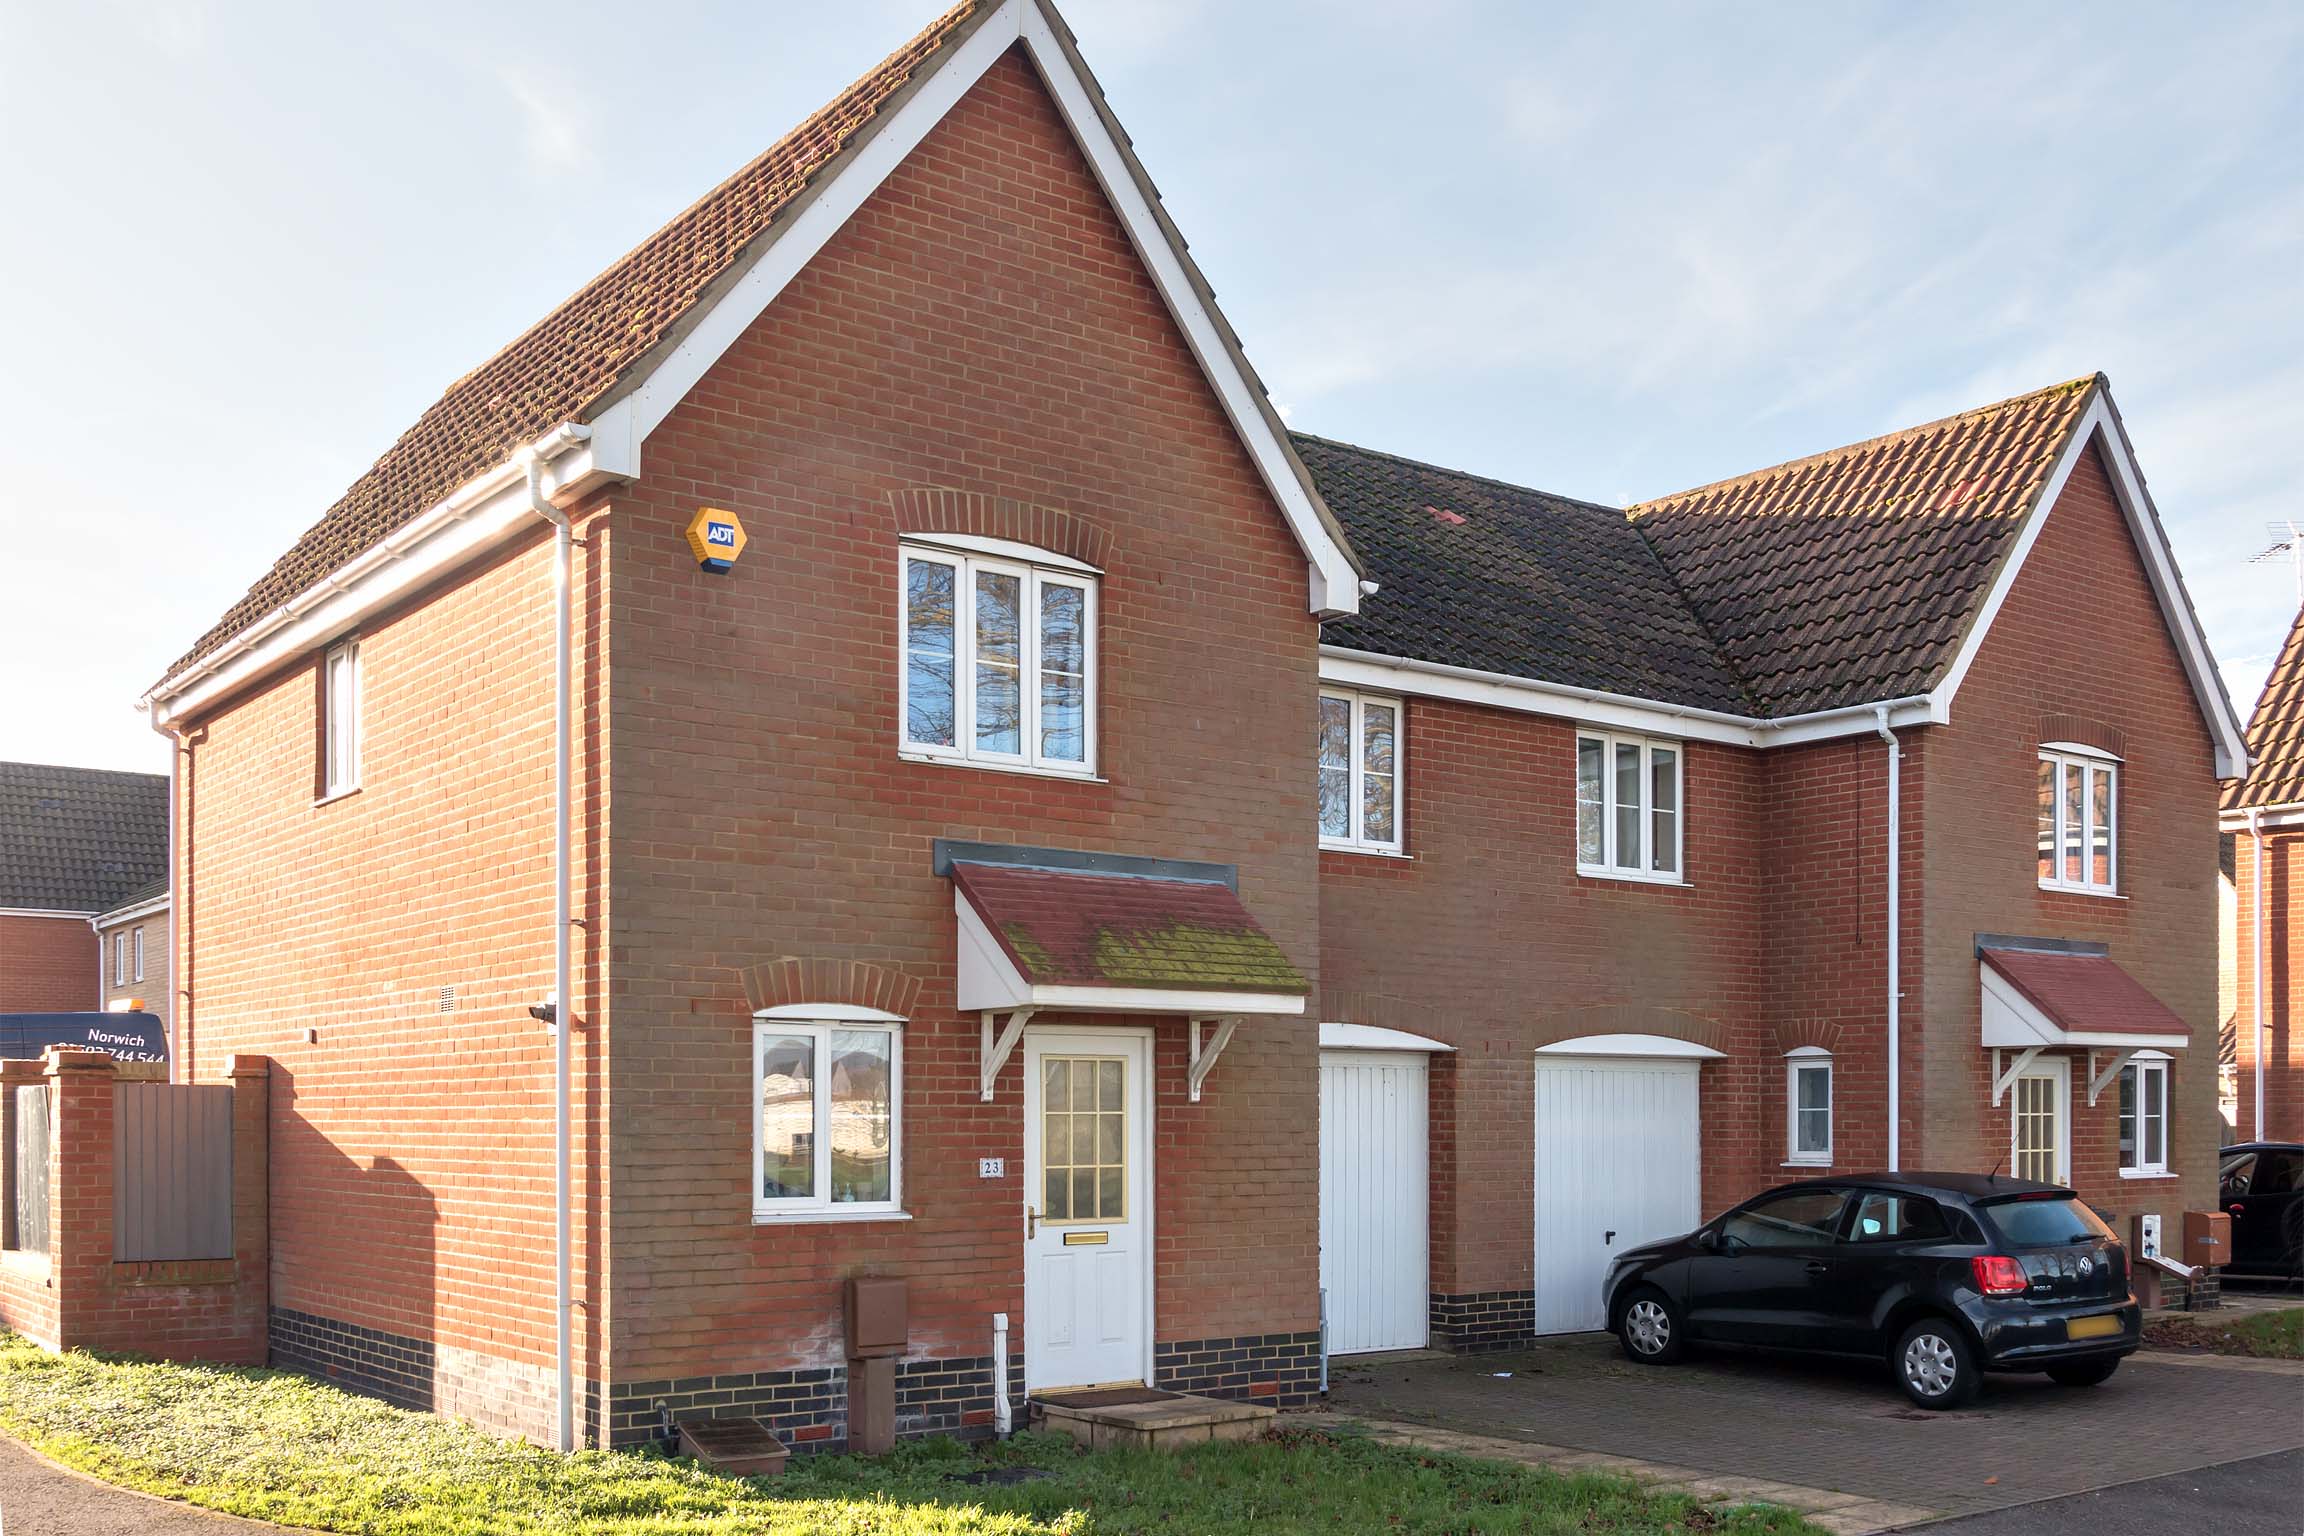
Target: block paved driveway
x: 1843, y: 1425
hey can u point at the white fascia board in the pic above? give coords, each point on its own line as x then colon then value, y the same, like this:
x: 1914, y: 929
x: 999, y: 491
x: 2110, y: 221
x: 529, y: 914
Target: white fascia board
x: 480, y: 514
x: 1335, y: 583
x: 73, y: 917
x: 1370, y: 1037
x: 1663, y: 1046
x: 2013, y: 1021
x: 2266, y: 816
x: 1497, y: 690
x: 2099, y: 424
x: 121, y: 915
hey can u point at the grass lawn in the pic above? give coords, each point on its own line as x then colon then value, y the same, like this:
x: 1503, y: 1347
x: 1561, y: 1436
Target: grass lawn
x: 282, y: 1447
x: 2272, y: 1335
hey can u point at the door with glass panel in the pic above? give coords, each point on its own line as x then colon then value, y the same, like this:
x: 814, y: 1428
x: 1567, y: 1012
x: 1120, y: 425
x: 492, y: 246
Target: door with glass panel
x: 1087, y: 1217
x: 2040, y: 1136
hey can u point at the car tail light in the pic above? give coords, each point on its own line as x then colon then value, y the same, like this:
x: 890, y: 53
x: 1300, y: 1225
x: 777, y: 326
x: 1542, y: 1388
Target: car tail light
x: 1998, y: 1275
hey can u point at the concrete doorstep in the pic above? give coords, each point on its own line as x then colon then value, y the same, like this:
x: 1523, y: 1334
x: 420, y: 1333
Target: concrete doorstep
x: 1844, y: 1514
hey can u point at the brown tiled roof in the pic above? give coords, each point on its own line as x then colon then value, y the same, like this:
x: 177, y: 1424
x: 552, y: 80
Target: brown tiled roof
x: 2086, y: 993
x: 570, y: 361
x: 1853, y: 576
x: 1072, y: 929
x: 2276, y: 734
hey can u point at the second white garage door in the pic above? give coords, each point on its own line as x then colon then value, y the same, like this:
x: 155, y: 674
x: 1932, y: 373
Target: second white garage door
x: 1374, y: 1201
x: 1616, y: 1165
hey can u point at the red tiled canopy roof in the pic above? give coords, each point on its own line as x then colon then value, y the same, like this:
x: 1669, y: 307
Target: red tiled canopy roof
x: 2085, y: 994
x: 1077, y: 929
x: 2276, y: 734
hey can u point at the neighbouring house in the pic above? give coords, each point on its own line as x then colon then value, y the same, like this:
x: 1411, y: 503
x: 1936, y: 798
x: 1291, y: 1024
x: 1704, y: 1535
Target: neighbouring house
x: 81, y: 848
x: 2264, y: 815
x: 1030, y: 826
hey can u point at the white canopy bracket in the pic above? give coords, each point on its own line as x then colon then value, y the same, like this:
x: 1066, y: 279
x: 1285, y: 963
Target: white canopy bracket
x: 2002, y: 1081
x: 1204, y: 1057
x: 999, y: 1047
x: 2099, y: 1081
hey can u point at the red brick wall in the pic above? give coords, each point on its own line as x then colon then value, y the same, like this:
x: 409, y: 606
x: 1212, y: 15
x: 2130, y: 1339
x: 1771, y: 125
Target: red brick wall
x: 411, y: 1147
x: 47, y: 964
x: 2283, y: 865
x: 2079, y: 636
x: 1487, y: 938
x: 982, y: 323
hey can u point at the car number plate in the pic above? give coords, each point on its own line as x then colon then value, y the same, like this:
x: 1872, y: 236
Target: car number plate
x: 2101, y: 1326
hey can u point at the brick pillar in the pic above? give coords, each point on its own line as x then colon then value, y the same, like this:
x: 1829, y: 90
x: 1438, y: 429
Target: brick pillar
x: 80, y: 1157
x: 251, y: 1078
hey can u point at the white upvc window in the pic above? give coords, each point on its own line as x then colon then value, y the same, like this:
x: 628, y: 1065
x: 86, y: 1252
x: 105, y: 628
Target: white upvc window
x: 136, y: 949
x: 999, y: 659
x: 1808, y: 1107
x: 827, y: 1107
x: 1629, y: 806
x: 120, y: 959
x: 1360, y: 762
x: 2079, y: 820
x: 340, y: 721
x: 2144, y: 1115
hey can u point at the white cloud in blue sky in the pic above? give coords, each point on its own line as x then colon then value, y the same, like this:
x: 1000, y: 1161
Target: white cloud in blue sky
x: 1606, y: 251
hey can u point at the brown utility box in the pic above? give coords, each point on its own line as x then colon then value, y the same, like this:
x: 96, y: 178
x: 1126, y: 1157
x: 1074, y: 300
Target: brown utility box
x: 879, y: 1316
x: 2207, y: 1239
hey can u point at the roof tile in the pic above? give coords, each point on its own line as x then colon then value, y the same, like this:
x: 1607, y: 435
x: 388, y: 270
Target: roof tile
x: 1067, y: 928
x: 79, y: 839
x: 2086, y: 993
x: 2276, y: 734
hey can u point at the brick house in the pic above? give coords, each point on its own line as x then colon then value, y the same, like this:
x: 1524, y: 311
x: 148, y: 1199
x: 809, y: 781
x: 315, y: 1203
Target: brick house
x: 935, y: 875
x: 76, y: 844
x: 2264, y: 815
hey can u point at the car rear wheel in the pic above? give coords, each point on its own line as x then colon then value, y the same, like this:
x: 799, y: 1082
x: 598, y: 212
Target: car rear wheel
x: 1934, y: 1364
x: 2083, y: 1373
x: 1650, y: 1328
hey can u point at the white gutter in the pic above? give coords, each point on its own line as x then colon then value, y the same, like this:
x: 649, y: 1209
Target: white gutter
x: 2256, y: 841
x: 563, y: 1011
x: 1895, y: 938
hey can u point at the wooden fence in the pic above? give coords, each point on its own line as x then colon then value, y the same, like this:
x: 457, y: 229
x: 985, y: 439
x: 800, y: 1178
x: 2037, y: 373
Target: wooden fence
x: 28, y: 1170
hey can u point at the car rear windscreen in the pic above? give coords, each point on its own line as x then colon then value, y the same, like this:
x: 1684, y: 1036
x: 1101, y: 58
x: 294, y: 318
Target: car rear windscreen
x: 2034, y: 1222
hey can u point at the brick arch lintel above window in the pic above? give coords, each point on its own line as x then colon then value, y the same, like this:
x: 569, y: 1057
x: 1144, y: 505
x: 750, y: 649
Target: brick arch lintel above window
x: 1819, y: 1034
x: 796, y: 979
x: 1378, y: 1010
x: 2083, y: 731
x: 932, y: 509
x: 1631, y: 1019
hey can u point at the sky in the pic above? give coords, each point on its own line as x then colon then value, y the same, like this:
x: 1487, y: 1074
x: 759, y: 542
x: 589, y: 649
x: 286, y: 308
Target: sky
x: 1611, y: 252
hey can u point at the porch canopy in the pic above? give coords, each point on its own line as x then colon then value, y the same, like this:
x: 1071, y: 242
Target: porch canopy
x: 1172, y: 939
x: 2069, y: 997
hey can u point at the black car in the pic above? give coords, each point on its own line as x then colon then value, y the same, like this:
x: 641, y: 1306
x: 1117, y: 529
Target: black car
x: 2261, y: 1184
x: 1942, y: 1275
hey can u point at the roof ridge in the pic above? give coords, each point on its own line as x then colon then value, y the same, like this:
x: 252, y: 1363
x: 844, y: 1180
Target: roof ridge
x: 1462, y: 474
x: 1884, y: 439
x: 125, y: 773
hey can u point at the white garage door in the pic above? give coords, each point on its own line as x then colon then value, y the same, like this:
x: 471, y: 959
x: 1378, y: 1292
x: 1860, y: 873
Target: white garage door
x: 1374, y: 1236
x: 1616, y: 1165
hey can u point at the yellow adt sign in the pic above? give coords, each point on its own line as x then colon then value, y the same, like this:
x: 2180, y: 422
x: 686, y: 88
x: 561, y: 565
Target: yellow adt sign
x: 716, y: 537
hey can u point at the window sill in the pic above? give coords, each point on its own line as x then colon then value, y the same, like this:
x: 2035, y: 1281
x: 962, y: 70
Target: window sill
x: 331, y: 799
x: 1627, y: 877
x: 1366, y: 850
x: 2081, y: 890
x: 2147, y: 1173
x: 1807, y: 1162
x: 820, y: 1216
x: 1022, y: 770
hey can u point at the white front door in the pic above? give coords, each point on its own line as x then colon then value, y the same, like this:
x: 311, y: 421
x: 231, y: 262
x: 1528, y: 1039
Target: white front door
x: 1375, y: 1234
x: 1088, y: 1218
x: 1616, y: 1165
x: 2040, y: 1122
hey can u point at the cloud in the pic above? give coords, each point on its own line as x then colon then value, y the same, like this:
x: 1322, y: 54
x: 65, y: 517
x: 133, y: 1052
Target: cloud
x: 555, y: 125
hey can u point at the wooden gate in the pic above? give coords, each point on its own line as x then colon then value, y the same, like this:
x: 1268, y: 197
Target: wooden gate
x: 28, y: 1168
x: 172, y: 1171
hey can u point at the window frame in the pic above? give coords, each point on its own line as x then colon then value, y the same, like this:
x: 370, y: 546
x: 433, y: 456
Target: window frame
x: 1357, y: 840
x: 2145, y: 1064
x: 120, y: 957
x: 340, y: 711
x: 819, y: 1023
x: 2092, y: 762
x: 1037, y: 570
x: 136, y: 952
x: 1806, y: 1058
x: 1608, y: 868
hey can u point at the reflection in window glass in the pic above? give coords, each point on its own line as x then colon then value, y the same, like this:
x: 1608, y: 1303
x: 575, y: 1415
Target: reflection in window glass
x: 929, y: 656
x: 1063, y: 672
x: 2075, y: 804
x: 2099, y: 827
x: 1663, y: 809
x: 1359, y: 771
x: 1376, y: 773
x: 1812, y: 1108
x: 999, y: 663
x: 1591, y: 801
x: 1084, y: 1137
x: 2047, y: 820
x: 862, y: 1148
x: 1335, y: 767
x: 788, y: 1118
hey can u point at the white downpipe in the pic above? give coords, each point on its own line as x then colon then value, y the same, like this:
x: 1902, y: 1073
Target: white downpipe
x: 563, y: 995
x: 1895, y: 939
x: 1003, y: 1418
x: 2256, y: 842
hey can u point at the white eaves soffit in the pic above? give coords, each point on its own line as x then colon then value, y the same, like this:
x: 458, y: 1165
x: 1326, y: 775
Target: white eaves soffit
x: 2099, y: 426
x: 946, y: 77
